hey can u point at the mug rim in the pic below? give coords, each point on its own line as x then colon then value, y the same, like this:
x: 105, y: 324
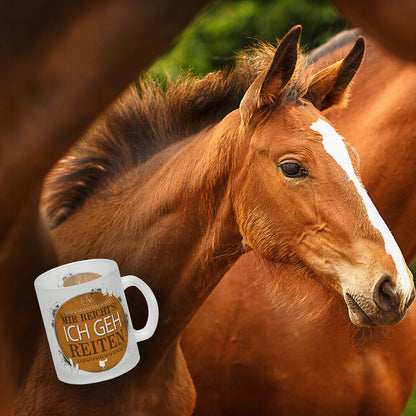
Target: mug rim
x: 39, y: 281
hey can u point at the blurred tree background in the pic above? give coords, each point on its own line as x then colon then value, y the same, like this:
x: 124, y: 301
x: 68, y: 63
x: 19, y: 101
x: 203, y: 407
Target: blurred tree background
x: 227, y: 26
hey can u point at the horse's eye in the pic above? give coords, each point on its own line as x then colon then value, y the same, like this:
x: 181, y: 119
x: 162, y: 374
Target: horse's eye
x: 293, y: 169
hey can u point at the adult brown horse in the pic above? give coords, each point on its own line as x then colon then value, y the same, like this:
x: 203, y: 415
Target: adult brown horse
x: 176, y: 193
x: 62, y: 64
x: 391, y: 23
x: 284, y: 344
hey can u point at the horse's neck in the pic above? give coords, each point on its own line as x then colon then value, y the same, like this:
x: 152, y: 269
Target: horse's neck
x: 174, y: 227
x: 183, y: 210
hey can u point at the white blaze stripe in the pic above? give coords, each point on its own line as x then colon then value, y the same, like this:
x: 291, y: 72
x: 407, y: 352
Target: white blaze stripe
x: 334, y: 144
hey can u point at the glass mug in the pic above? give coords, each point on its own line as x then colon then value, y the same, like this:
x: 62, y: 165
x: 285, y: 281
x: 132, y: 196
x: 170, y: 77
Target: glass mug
x: 87, y: 321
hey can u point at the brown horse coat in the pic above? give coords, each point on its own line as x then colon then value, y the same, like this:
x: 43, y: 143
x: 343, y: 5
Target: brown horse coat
x: 182, y: 217
x: 392, y: 24
x: 285, y: 345
x: 62, y: 63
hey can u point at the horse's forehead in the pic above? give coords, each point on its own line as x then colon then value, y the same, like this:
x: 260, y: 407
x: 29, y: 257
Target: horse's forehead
x: 291, y: 125
x: 295, y: 120
x: 336, y: 147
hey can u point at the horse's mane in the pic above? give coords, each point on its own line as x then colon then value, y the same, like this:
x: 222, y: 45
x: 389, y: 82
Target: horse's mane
x: 145, y: 120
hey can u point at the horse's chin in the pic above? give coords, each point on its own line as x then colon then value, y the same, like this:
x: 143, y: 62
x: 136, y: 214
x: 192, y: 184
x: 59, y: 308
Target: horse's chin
x: 362, y: 314
x: 360, y: 318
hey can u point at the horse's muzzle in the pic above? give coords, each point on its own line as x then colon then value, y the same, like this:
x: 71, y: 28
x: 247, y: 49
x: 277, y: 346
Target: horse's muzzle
x: 387, y: 305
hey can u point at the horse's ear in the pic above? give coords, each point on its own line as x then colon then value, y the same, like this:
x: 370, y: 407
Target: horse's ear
x: 329, y: 87
x: 269, y: 84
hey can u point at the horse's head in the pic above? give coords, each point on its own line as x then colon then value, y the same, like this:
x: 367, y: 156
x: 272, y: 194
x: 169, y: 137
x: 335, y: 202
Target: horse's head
x: 299, y: 195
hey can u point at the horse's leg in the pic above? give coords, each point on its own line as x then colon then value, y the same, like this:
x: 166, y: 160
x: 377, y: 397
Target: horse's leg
x: 168, y: 390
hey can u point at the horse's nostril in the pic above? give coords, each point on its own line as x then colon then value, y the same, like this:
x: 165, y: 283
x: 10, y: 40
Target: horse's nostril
x: 385, y: 295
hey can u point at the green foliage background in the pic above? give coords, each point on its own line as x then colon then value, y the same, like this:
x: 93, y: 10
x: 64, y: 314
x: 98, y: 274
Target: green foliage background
x: 227, y: 26
x: 411, y: 405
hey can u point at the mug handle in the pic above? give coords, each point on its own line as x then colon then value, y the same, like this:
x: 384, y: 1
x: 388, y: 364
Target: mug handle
x: 148, y: 330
